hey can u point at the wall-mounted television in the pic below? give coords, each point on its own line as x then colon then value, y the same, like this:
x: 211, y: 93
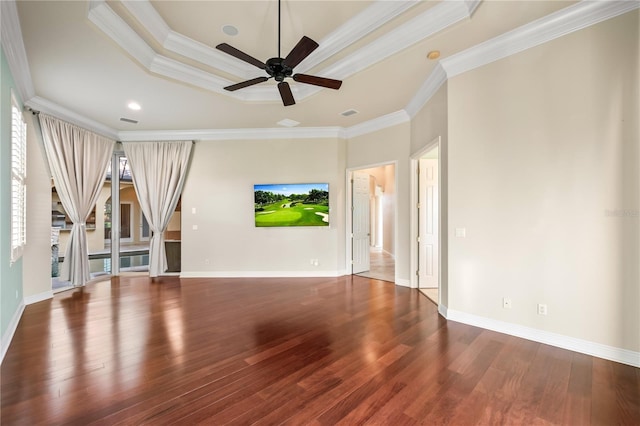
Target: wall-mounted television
x: 297, y: 204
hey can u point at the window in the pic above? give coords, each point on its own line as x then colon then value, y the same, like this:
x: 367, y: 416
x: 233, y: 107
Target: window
x: 18, y: 181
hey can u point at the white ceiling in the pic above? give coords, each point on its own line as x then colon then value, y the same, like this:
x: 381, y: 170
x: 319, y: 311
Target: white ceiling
x: 87, y: 60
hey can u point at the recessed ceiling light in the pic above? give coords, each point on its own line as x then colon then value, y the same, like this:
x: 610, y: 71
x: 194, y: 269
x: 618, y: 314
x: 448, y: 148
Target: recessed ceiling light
x: 434, y: 54
x: 134, y: 106
x: 349, y: 112
x: 287, y: 122
x: 230, y: 30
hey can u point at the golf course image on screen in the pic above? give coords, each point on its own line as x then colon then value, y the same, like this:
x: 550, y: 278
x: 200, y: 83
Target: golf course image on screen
x: 300, y: 204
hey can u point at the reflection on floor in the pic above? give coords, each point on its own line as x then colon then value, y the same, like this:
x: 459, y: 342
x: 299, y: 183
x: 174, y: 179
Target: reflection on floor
x: 133, y: 258
x: 382, y: 266
x: 431, y: 293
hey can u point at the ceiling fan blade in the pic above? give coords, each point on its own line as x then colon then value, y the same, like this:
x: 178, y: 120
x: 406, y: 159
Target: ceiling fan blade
x: 285, y: 94
x: 318, y: 81
x: 301, y: 50
x: 246, y: 83
x: 240, y: 55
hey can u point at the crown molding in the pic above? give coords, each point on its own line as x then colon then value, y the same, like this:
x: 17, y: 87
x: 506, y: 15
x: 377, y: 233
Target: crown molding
x: 471, y: 6
x: 429, y: 88
x: 428, y: 23
x: 540, y: 31
x: 374, y: 16
x: 151, y: 20
x: 376, y: 124
x: 43, y: 105
x: 13, y: 47
x: 117, y: 29
x: 232, y: 134
x: 367, y: 21
x: 420, y: 27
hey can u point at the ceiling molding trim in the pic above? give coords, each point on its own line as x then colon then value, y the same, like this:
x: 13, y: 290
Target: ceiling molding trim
x: 43, y: 105
x: 178, y: 71
x: 13, y: 47
x: 373, y: 17
x: 376, y: 124
x: 113, y: 26
x: 426, y: 24
x: 543, y: 30
x: 472, y: 5
x: 149, y: 17
x: 204, y: 54
x: 367, y: 21
x: 175, y: 42
x: 429, y: 88
x: 232, y: 134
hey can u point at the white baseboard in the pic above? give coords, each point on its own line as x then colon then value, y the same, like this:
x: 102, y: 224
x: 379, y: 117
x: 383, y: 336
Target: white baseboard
x: 442, y: 310
x: 30, y: 300
x: 599, y: 350
x: 8, y: 335
x: 260, y: 274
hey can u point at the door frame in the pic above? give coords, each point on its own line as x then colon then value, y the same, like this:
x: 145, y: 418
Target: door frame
x: 348, y: 210
x: 414, y: 216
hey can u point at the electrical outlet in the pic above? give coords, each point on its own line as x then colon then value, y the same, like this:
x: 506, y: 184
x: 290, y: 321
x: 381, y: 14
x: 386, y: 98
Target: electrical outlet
x: 506, y: 303
x: 542, y: 309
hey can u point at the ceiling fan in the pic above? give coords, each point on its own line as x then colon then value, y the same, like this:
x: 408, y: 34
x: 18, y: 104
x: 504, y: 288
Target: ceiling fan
x: 279, y: 68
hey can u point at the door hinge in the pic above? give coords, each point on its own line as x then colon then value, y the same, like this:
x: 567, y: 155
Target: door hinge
x: 418, y: 239
x: 418, y: 205
x: 352, y: 262
x: 418, y: 273
x: 352, y: 235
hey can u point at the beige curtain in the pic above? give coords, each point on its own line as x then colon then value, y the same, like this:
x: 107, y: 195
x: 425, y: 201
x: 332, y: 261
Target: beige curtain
x: 158, y: 170
x: 78, y: 160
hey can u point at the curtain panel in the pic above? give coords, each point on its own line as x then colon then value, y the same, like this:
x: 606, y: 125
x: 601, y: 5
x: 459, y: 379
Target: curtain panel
x: 158, y: 170
x: 78, y: 160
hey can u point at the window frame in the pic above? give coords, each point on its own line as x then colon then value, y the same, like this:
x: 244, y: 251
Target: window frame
x: 18, y: 181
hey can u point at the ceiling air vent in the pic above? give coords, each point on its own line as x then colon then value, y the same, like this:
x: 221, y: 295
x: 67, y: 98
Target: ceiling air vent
x: 348, y: 112
x: 287, y: 122
x: 129, y: 120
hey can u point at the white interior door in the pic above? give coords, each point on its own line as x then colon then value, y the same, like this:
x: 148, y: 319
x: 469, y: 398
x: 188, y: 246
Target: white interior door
x: 428, y: 249
x: 360, y: 222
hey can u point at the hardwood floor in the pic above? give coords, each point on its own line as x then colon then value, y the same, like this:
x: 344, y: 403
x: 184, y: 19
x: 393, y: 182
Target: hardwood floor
x: 382, y: 266
x: 326, y: 351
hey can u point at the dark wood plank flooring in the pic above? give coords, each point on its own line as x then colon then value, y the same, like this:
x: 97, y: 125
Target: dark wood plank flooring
x: 322, y: 351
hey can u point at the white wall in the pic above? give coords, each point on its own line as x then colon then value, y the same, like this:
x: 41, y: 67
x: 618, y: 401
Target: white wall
x: 219, y: 186
x: 36, y: 261
x: 543, y: 174
x: 429, y: 124
x: 389, y: 145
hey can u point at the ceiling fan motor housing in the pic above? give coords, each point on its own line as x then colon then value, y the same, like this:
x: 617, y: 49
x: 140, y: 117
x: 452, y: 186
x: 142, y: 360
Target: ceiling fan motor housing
x: 277, y: 69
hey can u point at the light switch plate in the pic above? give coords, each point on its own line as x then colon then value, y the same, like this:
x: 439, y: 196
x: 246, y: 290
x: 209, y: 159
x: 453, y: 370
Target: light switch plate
x: 461, y: 232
